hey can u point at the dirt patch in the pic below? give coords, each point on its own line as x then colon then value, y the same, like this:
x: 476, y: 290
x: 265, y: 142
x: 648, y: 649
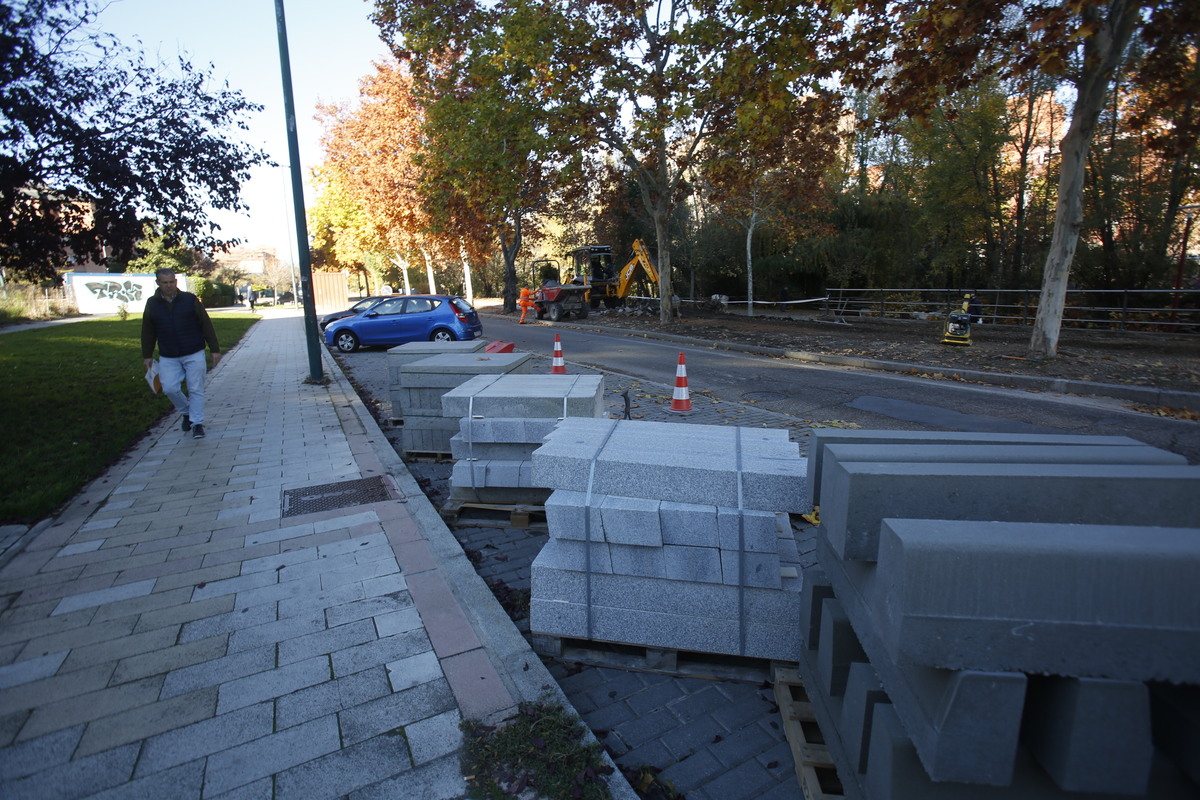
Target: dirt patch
x: 1153, y: 360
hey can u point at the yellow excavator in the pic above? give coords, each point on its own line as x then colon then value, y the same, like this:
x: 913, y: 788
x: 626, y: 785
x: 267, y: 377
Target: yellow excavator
x: 607, y: 287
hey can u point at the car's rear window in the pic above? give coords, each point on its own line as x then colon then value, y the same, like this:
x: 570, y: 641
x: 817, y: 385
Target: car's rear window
x: 417, y: 305
x: 461, y: 305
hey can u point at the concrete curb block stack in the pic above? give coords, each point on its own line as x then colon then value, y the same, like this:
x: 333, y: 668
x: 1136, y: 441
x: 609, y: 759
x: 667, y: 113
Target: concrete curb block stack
x: 1006, y: 617
x: 670, y: 535
x: 415, y: 351
x: 501, y: 420
x: 424, y: 381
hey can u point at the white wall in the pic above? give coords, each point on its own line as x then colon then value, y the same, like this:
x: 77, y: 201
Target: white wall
x: 105, y: 292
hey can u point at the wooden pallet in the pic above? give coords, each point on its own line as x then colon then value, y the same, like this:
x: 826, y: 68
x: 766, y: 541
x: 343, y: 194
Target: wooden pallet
x: 814, y: 767
x: 466, y: 514
x: 427, y: 455
x: 666, y: 661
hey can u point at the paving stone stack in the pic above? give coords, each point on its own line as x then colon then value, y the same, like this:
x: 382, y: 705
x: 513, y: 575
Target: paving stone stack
x: 424, y: 381
x: 671, y: 536
x: 501, y: 420
x: 403, y: 354
x: 1004, y: 616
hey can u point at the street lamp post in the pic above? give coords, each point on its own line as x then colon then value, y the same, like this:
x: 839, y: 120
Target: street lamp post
x: 289, y: 106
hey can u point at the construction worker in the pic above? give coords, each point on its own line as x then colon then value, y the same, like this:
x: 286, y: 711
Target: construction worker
x: 526, y: 303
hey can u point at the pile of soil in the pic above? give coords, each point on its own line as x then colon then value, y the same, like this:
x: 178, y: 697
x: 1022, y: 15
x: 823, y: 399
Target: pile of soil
x: 1158, y: 360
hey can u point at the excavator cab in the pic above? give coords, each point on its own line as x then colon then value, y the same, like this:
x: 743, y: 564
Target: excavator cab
x: 594, y: 263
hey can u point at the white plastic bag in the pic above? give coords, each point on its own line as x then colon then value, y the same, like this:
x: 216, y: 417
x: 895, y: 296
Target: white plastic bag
x: 152, y: 378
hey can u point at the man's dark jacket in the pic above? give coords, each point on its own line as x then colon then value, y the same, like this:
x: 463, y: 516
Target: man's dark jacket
x: 180, y: 327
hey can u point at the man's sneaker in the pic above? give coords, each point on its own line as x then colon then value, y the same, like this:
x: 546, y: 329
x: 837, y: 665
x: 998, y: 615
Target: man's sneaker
x: 198, y: 433
x: 187, y: 423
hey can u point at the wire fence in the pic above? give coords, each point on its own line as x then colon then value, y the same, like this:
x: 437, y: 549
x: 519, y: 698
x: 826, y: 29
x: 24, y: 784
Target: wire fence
x: 1142, y: 310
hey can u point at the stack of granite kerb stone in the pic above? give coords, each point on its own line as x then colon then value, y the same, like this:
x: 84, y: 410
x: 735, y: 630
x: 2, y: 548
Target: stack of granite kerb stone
x: 671, y: 536
x: 501, y: 420
x: 403, y: 354
x: 1004, y: 616
x: 424, y: 381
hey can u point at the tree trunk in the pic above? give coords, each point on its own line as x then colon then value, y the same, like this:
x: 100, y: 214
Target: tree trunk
x: 429, y: 270
x: 750, y: 264
x: 510, y: 265
x: 402, y: 265
x: 666, y: 310
x: 1101, y: 54
x: 468, y: 291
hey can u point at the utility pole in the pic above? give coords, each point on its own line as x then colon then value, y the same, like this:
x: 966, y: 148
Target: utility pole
x: 306, y: 281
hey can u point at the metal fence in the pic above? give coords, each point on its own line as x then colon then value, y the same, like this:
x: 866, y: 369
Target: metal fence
x: 1146, y: 310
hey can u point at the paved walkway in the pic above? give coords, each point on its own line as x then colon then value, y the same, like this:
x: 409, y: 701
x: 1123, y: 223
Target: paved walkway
x: 274, y: 611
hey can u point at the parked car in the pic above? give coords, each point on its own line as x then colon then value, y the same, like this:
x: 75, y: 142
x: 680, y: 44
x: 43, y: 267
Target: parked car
x: 406, y: 318
x: 358, y: 307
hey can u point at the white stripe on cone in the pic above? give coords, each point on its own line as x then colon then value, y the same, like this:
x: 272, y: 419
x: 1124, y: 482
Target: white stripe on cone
x: 681, y: 400
x: 557, y: 365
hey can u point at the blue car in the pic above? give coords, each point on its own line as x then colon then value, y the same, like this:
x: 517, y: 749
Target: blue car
x: 406, y: 318
x: 358, y: 307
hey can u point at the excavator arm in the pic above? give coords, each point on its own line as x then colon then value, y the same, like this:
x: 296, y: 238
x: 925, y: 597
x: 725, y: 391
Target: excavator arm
x: 641, y: 257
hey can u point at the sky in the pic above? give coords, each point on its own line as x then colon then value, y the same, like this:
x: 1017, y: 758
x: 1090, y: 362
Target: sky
x: 331, y: 45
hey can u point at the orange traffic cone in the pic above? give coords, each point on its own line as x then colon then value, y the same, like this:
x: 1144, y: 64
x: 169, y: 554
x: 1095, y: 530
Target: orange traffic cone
x: 557, y: 367
x: 681, y: 401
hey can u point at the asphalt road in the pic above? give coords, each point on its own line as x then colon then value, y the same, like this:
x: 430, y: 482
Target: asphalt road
x: 823, y: 393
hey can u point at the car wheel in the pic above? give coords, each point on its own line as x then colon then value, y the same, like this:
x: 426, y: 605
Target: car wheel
x: 441, y: 335
x: 346, y: 341
x: 554, y: 311
x: 582, y: 313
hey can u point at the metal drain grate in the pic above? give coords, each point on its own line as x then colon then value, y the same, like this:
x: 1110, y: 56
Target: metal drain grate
x: 329, y: 496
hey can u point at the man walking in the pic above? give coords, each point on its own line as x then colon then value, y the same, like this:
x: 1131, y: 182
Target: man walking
x: 179, y: 325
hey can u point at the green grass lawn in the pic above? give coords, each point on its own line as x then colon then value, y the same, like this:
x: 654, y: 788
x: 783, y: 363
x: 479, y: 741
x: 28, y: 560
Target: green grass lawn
x: 73, y: 398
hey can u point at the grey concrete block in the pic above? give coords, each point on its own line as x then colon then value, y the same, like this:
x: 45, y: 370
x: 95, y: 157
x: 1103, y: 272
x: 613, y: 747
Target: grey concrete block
x: 631, y: 521
x: 747, y: 529
x: 677, y: 462
x: 857, y: 496
x: 965, y: 724
x: 551, y: 580
x: 426, y: 435
x: 894, y: 773
x: 527, y: 395
x: 448, y: 370
x: 500, y: 495
x: 683, y: 563
x: 461, y: 449
x: 523, y: 430
x: 1175, y: 712
x: 815, y: 590
x: 740, y: 568
x: 689, y: 524
x: 839, y: 648
x: 418, y: 401
x: 823, y: 437
x: 1083, y: 600
x: 573, y: 556
x: 481, y: 473
x: 568, y: 517
x: 415, y: 351
x: 499, y: 437
x: 863, y: 691
x: 663, y: 630
x: 421, y: 383
x: 495, y: 481
x: 644, y: 562
x: 1091, y: 735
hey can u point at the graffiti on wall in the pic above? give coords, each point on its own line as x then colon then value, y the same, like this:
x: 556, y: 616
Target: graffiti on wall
x: 108, y: 293
x: 121, y: 291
